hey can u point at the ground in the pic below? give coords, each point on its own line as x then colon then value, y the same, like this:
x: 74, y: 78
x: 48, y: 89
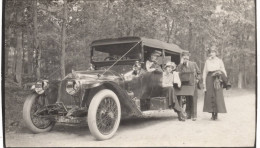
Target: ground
x: 236, y: 128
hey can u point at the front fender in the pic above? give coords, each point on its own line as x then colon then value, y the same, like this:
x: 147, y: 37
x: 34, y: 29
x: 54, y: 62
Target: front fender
x: 93, y: 85
x: 129, y: 108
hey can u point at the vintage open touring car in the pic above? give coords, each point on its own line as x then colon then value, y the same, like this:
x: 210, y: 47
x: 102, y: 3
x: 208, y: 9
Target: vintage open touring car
x: 101, y: 96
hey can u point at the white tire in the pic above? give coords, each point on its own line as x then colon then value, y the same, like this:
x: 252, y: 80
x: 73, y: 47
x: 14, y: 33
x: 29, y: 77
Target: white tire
x: 104, y: 114
x: 34, y: 123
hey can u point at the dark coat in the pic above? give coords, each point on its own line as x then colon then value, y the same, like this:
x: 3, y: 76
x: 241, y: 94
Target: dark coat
x: 214, y: 98
x: 223, y: 78
x: 193, y: 73
x: 225, y: 82
x: 192, y: 67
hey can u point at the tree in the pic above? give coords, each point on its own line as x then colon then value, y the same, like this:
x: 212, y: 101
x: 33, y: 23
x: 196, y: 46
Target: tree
x: 63, y: 38
x: 36, y: 40
x: 58, y: 32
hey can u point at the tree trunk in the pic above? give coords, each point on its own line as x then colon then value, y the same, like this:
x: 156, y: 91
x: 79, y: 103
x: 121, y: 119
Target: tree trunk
x: 231, y: 75
x: 201, y: 53
x: 222, y: 50
x: 6, y: 59
x: 36, y: 42
x: 169, y: 30
x: 19, y: 62
x: 29, y: 55
x: 132, y: 20
x: 245, y: 71
x: 194, y: 53
x: 23, y: 56
x: 13, y: 60
x: 245, y: 80
x: 63, y: 39
x: 8, y: 43
x: 240, y: 80
x: 14, y: 50
x: 190, y: 37
x: 8, y: 46
x: 104, y: 17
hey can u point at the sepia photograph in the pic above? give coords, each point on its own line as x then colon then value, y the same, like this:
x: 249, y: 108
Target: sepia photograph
x: 129, y: 73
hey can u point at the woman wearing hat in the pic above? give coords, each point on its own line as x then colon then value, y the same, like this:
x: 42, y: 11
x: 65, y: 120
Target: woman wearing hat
x: 167, y: 83
x: 151, y: 64
x: 214, y: 99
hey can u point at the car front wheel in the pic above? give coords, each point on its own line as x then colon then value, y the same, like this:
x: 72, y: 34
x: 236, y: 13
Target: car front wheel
x: 104, y: 114
x: 34, y: 122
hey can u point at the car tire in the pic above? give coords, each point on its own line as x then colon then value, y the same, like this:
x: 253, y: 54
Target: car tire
x: 31, y: 120
x: 104, y: 114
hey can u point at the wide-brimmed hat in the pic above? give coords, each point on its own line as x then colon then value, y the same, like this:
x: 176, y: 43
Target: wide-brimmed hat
x: 185, y: 53
x: 156, y: 53
x: 171, y: 64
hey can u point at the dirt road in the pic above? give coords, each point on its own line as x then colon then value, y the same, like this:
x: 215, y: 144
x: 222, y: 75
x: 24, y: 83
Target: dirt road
x: 236, y: 128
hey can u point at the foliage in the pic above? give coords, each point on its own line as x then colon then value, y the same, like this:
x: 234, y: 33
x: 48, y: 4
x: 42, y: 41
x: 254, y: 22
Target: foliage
x: 194, y: 25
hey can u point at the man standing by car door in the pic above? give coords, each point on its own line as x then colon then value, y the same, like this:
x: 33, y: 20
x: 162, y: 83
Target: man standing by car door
x: 190, y: 67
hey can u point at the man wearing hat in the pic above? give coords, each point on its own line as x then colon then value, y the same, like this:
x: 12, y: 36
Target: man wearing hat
x: 168, y: 79
x: 152, y: 63
x: 187, y: 66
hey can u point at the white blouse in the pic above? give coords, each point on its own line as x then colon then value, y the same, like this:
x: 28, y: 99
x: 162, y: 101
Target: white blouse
x: 213, y: 64
x: 169, y: 78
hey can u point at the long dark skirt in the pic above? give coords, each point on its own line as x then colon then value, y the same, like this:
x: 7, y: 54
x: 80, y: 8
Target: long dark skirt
x: 214, y: 98
x: 172, y: 98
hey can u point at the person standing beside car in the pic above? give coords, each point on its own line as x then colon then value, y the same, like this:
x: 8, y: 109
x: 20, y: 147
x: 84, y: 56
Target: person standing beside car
x: 187, y: 66
x: 213, y: 74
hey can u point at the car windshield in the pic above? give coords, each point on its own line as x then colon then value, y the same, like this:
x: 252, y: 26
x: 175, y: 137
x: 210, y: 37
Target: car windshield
x: 113, y: 52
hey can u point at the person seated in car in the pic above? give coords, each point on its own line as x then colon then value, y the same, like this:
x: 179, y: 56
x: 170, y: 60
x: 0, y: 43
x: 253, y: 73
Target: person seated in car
x: 136, y: 72
x: 152, y: 63
x: 168, y: 79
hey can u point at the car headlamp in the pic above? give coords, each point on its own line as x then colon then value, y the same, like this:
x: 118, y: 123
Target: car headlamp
x: 92, y: 67
x: 72, y: 87
x: 40, y: 86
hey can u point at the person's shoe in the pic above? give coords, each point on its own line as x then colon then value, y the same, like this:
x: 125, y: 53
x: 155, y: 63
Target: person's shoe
x: 194, y: 119
x: 181, y: 119
x: 181, y: 116
x: 213, y: 116
x: 216, y: 116
x: 188, y: 116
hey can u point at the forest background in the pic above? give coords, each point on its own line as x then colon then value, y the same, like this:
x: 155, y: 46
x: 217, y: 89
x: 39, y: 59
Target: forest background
x: 47, y: 38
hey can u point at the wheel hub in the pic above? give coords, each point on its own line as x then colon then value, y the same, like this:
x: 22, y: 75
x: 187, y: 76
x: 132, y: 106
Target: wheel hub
x: 111, y: 115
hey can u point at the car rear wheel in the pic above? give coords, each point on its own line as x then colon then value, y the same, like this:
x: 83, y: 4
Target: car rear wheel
x: 104, y: 114
x: 34, y: 122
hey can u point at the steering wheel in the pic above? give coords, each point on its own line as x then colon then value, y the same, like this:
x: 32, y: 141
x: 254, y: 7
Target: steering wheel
x: 109, y: 58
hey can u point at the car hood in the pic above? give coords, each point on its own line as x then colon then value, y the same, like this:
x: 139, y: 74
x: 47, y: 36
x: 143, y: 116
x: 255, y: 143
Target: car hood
x: 96, y: 76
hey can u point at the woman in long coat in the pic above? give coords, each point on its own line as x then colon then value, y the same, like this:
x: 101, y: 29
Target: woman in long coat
x: 214, y: 69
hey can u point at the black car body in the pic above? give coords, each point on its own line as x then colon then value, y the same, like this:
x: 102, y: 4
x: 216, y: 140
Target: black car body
x: 102, y: 95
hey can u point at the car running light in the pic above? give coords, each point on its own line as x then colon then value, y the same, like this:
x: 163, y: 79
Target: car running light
x: 72, y: 87
x: 41, y: 86
x: 92, y: 67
